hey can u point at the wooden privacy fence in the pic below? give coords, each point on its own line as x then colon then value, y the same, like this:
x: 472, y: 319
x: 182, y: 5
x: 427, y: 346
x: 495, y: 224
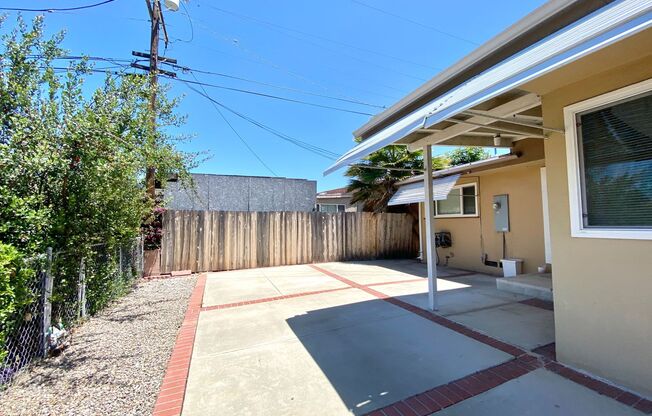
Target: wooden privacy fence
x: 223, y: 240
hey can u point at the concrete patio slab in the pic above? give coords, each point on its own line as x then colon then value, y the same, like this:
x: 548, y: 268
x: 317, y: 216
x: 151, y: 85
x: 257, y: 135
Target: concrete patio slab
x: 523, y: 325
x: 539, y: 393
x: 229, y: 287
x: 333, y: 365
x: 221, y: 289
x: 454, y: 296
x: 366, y: 273
x: 225, y: 330
x: 304, y: 282
x: 537, y: 285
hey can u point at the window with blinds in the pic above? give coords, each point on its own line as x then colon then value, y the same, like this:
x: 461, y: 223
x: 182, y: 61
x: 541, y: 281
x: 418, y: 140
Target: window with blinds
x: 615, y: 149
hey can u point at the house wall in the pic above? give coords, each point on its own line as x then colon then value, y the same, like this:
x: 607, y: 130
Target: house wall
x: 602, y: 287
x: 474, y: 236
x: 242, y: 193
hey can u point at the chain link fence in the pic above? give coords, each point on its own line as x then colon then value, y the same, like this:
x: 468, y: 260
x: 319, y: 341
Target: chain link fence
x: 64, y: 290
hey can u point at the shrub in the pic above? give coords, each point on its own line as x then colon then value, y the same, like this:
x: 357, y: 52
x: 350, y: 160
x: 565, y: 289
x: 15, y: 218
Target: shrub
x: 14, y: 290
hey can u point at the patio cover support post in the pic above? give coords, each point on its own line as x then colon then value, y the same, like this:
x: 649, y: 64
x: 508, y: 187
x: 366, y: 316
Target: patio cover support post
x: 429, y: 206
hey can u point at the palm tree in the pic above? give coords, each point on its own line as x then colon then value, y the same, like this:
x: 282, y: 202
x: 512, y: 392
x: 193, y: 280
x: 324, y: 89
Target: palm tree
x: 374, y: 186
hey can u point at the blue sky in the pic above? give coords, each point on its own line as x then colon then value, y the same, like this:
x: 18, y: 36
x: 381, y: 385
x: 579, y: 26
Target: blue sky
x: 347, y: 49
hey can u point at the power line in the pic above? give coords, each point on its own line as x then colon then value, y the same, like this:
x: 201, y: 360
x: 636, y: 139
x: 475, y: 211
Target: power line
x: 353, y: 57
x: 192, y: 28
x: 19, y: 9
x: 250, y: 92
x: 275, y: 97
x: 242, y: 139
x: 353, y: 101
x: 262, y: 60
x: 120, y: 61
x: 414, y: 22
x: 305, y: 145
x: 266, y: 23
x: 82, y: 57
x: 240, y: 90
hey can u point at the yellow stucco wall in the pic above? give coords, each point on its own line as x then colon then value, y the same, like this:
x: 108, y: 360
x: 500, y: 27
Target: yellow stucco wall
x: 474, y: 236
x: 602, y: 287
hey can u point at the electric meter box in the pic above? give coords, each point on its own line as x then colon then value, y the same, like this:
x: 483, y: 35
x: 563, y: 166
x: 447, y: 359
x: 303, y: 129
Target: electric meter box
x: 501, y: 213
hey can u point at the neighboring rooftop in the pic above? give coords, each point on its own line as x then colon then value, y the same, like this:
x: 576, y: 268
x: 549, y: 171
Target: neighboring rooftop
x: 334, y: 193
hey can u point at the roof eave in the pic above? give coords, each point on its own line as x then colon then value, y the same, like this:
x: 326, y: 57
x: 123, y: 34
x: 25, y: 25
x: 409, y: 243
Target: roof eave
x: 543, y: 21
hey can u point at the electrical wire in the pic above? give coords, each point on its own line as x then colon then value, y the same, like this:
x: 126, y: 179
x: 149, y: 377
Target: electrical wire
x: 414, y: 22
x: 270, y: 24
x: 19, y: 9
x: 82, y: 57
x: 240, y: 90
x: 275, y: 97
x: 192, y: 28
x: 262, y: 60
x: 219, y: 74
x: 305, y: 145
x: 242, y: 139
x: 352, y: 57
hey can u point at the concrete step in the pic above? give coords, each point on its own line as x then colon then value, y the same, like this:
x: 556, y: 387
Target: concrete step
x: 536, y: 285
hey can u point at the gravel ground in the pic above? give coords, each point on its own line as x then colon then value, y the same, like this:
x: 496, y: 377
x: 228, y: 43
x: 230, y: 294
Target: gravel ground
x: 115, y: 363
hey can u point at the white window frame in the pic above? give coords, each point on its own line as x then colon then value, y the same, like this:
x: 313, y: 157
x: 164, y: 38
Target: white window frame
x: 319, y: 205
x: 461, y: 215
x: 575, y: 189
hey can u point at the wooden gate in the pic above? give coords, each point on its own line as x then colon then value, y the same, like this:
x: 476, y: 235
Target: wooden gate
x: 224, y: 240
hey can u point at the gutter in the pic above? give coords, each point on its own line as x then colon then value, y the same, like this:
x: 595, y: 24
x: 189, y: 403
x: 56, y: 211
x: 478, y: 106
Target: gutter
x: 462, y: 169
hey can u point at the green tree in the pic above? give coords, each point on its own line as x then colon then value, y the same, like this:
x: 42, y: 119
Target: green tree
x: 73, y: 159
x: 374, y: 179
x: 467, y: 154
x: 72, y: 165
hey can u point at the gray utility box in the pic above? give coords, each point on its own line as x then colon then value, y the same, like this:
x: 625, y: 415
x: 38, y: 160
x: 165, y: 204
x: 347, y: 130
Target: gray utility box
x: 501, y: 213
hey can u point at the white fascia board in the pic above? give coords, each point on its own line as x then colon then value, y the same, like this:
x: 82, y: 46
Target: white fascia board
x: 597, y: 30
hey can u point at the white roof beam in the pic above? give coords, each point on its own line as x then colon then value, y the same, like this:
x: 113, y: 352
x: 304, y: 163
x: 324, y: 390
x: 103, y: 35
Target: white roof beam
x: 518, y: 105
x: 499, y: 129
x: 515, y: 119
x: 466, y: 140
x: 490, y: 134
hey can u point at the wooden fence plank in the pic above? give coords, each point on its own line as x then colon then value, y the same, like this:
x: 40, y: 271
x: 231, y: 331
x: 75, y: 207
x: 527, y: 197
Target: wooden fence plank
x: 220, y: 240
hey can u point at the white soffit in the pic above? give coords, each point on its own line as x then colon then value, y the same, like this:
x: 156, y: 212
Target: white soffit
x: 414, y: 192
x: 589, y: 34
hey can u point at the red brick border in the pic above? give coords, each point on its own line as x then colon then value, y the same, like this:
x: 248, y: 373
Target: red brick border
x: 270, y: 299
x: 548, y: 351
x: 456, y: 391
x: 300, y: 294
x: 484, y: 380
x: 478, y: 336
x: 627, y: 398
x: 395, y: 282
x: 539, y: 303
x: 173, y: 388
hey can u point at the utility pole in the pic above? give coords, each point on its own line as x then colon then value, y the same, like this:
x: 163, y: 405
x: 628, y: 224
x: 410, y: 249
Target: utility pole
x: 157, y: 21
x: 155, y: 17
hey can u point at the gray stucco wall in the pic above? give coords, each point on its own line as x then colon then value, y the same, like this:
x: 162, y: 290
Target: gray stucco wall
x: 242, y: 193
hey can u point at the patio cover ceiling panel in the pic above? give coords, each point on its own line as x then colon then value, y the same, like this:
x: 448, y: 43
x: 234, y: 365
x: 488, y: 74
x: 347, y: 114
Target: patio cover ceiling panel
x: 414, y: 192
x: 593, y: 32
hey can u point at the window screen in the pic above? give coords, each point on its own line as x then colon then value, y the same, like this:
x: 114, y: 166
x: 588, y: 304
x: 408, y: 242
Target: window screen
x: 450, y: 205
x: 616, y: 164
x: 468, y: 195
x: 331, y: 208
x: 460, y: 201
